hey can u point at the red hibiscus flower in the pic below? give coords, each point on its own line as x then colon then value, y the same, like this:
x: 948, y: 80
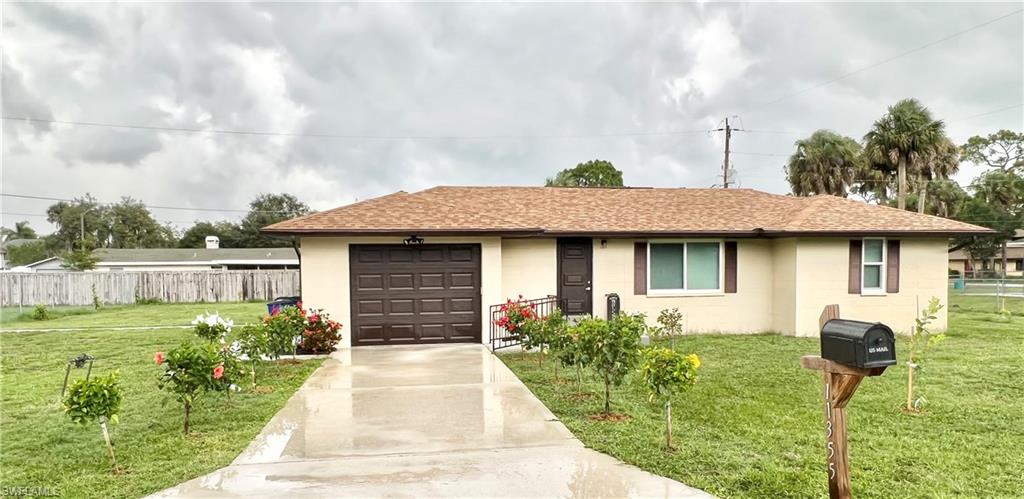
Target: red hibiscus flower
x: 218, y: 371
x: 159, y: 358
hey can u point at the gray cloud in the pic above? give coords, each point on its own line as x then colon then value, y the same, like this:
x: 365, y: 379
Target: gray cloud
x: 467, y: 70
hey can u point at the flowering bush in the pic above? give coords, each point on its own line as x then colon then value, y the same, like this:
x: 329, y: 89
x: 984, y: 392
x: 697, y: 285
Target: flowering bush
x: 666, y: 372
x: 96, y: 400
x: 212, y: 327
x: 190, y: 371
x: 544, y: 333
x: 514, y: 314
x: 284, y: 330
x: 611, y: 347
x: 321, y: 334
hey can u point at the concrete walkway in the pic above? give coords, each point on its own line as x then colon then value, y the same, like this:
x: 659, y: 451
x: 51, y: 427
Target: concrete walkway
x: 421, y: 421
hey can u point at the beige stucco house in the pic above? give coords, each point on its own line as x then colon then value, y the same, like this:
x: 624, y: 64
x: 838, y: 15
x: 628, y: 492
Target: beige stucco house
x: 426, y: 266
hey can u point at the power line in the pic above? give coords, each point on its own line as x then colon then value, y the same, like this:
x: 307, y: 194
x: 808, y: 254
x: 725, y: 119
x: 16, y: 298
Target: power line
x: 885, y: 61
x: 263, y: 133
x: 158, y: 207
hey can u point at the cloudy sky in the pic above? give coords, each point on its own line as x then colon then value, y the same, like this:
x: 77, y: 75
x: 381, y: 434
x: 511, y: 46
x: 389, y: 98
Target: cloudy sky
x: 363, y: 100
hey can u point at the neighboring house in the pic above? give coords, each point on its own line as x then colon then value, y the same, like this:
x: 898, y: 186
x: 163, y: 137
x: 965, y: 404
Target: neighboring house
x: 993, y: 267
x: 213, y: 257
x: 12, y: 243
x: 426, y: 266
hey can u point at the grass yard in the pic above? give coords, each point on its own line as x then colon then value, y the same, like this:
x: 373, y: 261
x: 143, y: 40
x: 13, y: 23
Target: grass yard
x: 752, y: 426
x: 164, y: 314
x: 40, y: 447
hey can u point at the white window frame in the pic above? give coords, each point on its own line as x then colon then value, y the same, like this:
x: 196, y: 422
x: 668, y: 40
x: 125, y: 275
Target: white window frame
x: 684, y: 291
x: 880, y: 290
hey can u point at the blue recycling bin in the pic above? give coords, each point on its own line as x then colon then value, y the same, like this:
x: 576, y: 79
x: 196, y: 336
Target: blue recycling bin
x: 958, y: 284
x: 281, y: 302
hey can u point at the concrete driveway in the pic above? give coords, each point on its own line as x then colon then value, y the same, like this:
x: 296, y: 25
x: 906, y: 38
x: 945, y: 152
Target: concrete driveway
x: 421, y: 421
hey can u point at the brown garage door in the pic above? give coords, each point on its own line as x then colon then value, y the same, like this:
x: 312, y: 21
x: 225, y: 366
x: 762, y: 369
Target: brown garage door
x: 415, y: 294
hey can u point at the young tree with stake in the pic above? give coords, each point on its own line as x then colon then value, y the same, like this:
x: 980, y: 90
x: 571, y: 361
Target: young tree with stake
x: 666, y: 372
x: 96, y: 400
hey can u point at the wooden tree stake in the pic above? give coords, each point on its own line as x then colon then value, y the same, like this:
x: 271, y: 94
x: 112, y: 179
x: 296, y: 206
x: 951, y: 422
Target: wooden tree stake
x: 840, y: 383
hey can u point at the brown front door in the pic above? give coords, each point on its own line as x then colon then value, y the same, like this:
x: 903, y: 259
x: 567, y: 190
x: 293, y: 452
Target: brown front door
x: 415, y: 294
x: 575, y: 274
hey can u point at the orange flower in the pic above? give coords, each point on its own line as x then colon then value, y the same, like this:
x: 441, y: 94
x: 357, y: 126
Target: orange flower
x: 218, y: 371
x: 158, y: 358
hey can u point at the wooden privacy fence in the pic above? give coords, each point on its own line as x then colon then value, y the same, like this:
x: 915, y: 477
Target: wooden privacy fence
x: 79, y: 288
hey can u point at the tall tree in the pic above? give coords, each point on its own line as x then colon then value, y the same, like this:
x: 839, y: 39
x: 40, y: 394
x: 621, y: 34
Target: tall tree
x: 980, y: 212
x: 1003, y: 192
x: 129, y: 224
x: 195, y: 237
x: 77, y: 221
x: 824, y: 163
x: 24, y: 254
x: 21, y: 230
x: 594, y: 173
x: 941, y: 161
x: 267, y: 209
x: 900, y: 139
x: 1003, y: 150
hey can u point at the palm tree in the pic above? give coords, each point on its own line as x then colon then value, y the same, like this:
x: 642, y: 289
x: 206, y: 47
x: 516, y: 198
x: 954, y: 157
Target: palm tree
x: 941, y: 161
x: 824, y: 163
x: 900, y: 139
x: 21, y: 231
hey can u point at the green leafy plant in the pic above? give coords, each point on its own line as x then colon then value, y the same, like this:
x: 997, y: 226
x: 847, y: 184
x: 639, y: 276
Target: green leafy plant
x: 40, y: 313
x: 96, y: 303
x: 253, y: 343
x: 543, y: 332
x: 284, y: 331
x: 320, y: 334
x: 612, y: 348
x: 670, y: 325
x: 570, y: 352
x: 96, y: 400
x: 921, y: 340
x: 666, y: 372
x: 147, y: 301
x: 190, y: 371
x: 212, y: 327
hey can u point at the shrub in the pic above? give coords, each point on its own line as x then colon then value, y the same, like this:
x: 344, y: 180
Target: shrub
x: 189, y: 372
x: 40, y: 313
x: 252, y: 341
x: 284, y: 331
x: 96, y: 400
x: 514, y: 314
x: 666, y: 372
x: 148, y: 301
x: 321, y: 334
x: 544, y: 333
x: 612, y: 348
x: 670, y: 325
x: 571, y: 353
x: 211, y: 327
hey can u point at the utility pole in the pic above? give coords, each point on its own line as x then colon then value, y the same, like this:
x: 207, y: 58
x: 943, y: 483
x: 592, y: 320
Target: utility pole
x: 728, y: 129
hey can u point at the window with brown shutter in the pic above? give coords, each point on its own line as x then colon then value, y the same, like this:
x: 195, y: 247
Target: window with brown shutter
x: 640, y: 268
x: 855, y: 269
x: 892, y: 270
x: 730, y: 266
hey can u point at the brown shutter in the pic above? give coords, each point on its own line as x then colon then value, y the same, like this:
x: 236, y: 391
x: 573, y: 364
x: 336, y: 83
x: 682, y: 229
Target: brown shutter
x: 730, y: 266
x: 640, y: 268
x: 892, y: 267
x: 855, y: 254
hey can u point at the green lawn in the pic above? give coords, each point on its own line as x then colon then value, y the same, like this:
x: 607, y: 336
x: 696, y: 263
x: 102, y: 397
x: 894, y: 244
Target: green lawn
x: 40, y: 447
x: 164, y: 314
x: 752, y: 426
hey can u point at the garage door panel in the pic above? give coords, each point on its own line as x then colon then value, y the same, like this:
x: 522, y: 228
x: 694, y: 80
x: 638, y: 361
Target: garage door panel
x: 433, y: 331
x: 410, y: 294
x: 400, y: 281
x: 367, y: 282
x: 463, y: 280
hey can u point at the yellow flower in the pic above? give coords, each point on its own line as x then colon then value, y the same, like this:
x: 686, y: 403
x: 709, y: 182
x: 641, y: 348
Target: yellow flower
x: 694, y: 360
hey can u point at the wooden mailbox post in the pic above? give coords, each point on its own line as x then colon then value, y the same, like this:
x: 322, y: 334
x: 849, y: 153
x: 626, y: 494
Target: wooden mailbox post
x: 841, y: 382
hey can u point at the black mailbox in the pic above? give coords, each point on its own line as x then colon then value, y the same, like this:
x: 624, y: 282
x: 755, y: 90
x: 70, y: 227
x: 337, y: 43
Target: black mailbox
x: 858, y: 344
x: 613, y: 304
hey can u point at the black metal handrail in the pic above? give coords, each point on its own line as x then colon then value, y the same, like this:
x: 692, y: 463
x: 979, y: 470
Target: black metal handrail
x: 501, y: 337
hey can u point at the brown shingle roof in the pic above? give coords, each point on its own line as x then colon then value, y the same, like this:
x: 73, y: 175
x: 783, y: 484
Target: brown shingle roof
x: 614, y: 211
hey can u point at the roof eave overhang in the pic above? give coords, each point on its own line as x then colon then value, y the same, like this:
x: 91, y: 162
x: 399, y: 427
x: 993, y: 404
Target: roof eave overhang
x: 401, y: 232
x: 738, y: 234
